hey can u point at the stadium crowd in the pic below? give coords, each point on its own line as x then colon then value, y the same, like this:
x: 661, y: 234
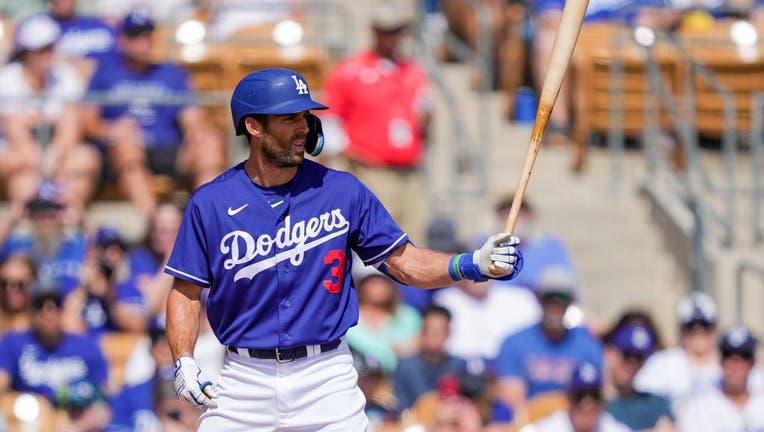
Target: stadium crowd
x: 84, y: 106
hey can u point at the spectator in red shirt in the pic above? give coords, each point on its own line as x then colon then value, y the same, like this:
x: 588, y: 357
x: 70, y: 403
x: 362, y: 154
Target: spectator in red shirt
x: 379, y: 118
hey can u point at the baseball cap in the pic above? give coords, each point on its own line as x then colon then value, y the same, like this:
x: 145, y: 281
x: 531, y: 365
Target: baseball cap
x: 738, y: 340
x: 41, y: 296
x: 634, y: 339
x: 697, y: 307
x: 389, y: 16
x: 137, y: 22
x: 556, y: 280
x: 586, y: 376
x: 47, y: 197
x: 107, y: 236
x: 33, y: 33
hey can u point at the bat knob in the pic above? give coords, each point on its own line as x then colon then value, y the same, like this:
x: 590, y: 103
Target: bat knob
x: 496, y: 271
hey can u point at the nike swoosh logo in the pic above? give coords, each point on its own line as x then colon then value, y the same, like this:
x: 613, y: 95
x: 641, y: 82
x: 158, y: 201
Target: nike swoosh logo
x: 274, y: 205
x: 232, y: 212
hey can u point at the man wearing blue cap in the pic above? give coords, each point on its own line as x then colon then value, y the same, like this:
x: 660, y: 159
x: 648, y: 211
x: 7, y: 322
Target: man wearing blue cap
x: 731, y: 406
x: 585, y: 406
x: 142, y: 130
x: 625, y: 352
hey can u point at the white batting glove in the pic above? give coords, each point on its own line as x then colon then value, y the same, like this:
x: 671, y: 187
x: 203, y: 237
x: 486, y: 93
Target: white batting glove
x: 499, y: 251
x: 188, y: 387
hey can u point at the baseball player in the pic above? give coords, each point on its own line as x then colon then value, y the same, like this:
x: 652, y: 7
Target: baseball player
x: 272, y: 239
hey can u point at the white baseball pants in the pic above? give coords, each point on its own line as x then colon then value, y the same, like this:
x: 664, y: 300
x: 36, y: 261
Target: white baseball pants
x: 318, y: 393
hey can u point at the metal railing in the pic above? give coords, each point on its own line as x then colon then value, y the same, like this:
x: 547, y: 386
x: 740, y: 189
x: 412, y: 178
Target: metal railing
x: 469, y: 176
x: 697, y: 184
x: 743, y: 269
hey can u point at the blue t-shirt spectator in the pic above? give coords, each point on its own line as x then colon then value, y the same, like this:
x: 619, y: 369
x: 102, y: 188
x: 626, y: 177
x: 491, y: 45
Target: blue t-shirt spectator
x: 84, y: 36
x: 159, y: 121
x: 48, y: 371
x: 543, y: 364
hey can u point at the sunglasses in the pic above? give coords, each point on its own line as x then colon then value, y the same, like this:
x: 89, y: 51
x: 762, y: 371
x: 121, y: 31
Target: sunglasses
x: 745, y: 355
x: 17, y: 285
x: 697, y: 326
x: 554, y: 297
x: 633, y: 357
x: 39, y: 304
x: 593, y: 393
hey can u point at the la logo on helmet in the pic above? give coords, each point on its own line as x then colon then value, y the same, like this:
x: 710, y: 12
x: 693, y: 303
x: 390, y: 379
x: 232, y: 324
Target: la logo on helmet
x: 301, y: 88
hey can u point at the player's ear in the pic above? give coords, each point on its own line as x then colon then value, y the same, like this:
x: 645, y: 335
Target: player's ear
x: 253, y: 126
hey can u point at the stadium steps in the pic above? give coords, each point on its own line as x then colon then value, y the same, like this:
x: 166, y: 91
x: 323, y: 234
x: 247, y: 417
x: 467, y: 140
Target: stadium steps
x: 620, y: 254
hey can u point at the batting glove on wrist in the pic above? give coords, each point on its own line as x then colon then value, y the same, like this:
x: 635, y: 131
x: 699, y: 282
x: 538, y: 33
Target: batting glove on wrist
x: 188, y: 387
x: 499, y: 251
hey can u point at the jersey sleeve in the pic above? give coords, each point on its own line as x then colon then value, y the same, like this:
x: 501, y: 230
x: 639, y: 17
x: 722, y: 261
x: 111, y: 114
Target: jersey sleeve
x: 99, y: 81
x: 374, y: 233
x: 188, y: 260
x: 127, y: 292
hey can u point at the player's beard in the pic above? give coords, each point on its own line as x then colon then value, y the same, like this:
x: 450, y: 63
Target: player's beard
x: 280, y: 153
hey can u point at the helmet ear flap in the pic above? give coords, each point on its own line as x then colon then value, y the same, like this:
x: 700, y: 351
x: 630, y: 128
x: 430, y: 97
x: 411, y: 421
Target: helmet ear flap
x: 314, y: 141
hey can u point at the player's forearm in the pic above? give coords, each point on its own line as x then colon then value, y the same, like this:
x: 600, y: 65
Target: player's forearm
x: 421, y: 268
x: 183, y: 307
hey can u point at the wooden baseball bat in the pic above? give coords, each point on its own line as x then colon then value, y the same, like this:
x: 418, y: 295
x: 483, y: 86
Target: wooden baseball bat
x: 562, y: 50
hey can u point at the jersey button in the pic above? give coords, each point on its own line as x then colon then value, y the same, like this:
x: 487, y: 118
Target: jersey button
x: 286, y: 269
x: 287, y: 303
x: 288, y: 336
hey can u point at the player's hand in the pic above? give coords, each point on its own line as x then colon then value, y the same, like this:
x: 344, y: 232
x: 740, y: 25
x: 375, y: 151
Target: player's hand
x: 498, y: 258
x: 188, y: 387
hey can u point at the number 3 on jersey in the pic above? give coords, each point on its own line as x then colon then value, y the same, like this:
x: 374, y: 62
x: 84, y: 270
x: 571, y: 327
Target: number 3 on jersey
x: 335, y: 258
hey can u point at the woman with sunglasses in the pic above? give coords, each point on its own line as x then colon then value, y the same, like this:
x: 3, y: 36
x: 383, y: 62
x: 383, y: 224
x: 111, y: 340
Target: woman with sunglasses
x: 16, y: 276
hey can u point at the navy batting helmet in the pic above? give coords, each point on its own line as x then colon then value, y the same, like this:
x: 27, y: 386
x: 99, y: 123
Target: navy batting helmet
x: 270, y: 91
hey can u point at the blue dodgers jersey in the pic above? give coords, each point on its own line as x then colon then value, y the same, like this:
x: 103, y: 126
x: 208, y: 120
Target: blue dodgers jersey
x: 545, y: 365
x: 84, y: 36
x: 279, y: 274
x: 34, y: 368
x: 159, y: 121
